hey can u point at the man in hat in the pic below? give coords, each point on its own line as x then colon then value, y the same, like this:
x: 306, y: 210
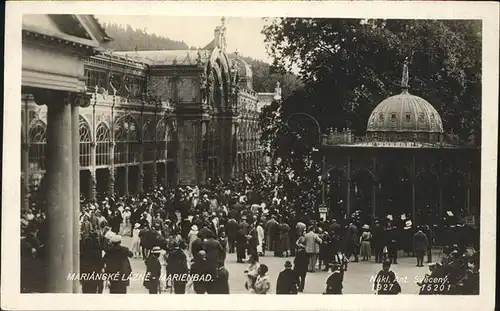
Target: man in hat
x: 198, y: 271
x: 406, y: 237
x: 215, y: 255
x: 241, y: 245
x: 271, y: 232
x: 153, y: 271
x: 288, y: 281
x: 177, y: 265
x: 116, y: 262
x: 420, y: 246
x: 231, y: 231
x: 378, y: 241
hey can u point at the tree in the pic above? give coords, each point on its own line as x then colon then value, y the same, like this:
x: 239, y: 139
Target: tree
x: 129, y: 39
x: 349, y: 65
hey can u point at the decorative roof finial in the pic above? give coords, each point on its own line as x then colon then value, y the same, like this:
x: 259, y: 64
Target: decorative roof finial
x: 405, y: 78
x: 223, y: 21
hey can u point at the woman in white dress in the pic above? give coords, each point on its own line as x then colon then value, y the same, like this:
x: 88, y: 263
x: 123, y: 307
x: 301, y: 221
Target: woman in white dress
x: 136, y: 241
x: 260, y: 239
x: 127, y: 226
x: 192, y: 235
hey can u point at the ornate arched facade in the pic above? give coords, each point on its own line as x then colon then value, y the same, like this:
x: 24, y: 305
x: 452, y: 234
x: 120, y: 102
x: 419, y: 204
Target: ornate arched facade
x: 156, y: 118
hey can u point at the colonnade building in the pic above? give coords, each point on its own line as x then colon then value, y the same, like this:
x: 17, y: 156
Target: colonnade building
x: 150, y: 118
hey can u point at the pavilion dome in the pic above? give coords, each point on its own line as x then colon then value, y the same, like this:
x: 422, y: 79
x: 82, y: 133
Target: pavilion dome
x: 405, y: 116
x: 405, y: 113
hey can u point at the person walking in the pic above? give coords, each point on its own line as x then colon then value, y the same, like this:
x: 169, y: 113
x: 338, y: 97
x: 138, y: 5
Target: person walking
x: 352, y: 242
x: 260, y: 239
x: 136, y: 241
x: 271, y: 228
x: 288, y: 281
x: 221, y: 284
x: 365, y: 239
x: 420, y: 243
x: 177, y: 265
x: 301, y: 263
x: 191, y: 237
x: 311, y: 240
x: 116, y: 262
x: 153, y: 271
x: 325, y: 254
x: 91, y: 261
x: 241, y: 243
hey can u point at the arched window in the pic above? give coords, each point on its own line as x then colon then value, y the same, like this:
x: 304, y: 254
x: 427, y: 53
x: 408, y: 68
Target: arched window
x: 37, y: 142
x: 85, y: 142
x: 103, y: 139
x: 161, y: 136
x: 148, y: 137
x: 170, y: 144
x: 126, y: 141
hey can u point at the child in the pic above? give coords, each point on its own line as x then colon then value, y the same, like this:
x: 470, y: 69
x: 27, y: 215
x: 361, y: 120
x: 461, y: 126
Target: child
x: 386, y: 282
x: 334, y: 281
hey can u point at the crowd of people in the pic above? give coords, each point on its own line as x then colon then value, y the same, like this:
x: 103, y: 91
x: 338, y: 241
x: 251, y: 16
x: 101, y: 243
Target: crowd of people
x: 187, y: 232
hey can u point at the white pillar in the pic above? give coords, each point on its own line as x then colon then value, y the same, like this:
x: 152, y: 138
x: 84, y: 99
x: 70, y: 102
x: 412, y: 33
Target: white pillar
x: 75, y: 120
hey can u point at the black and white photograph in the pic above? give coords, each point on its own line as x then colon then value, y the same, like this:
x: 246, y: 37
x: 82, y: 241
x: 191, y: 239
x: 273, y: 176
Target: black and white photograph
x: 220, y: 154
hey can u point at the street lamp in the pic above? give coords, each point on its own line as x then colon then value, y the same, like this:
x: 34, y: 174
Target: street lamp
x: 323, y: 159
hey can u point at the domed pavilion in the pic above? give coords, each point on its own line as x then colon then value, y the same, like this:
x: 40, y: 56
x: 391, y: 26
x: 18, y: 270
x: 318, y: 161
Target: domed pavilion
x: 406, y: 166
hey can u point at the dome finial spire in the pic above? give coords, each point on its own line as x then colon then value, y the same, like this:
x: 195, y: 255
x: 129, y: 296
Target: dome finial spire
x: 405, y: 78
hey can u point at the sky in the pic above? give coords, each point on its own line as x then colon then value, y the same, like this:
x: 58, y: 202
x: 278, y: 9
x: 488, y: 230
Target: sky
x: 242, y: 34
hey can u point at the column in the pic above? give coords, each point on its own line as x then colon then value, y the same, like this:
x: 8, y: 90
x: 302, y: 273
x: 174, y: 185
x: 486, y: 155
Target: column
x: 441, y: 180
x: 154, y: 172
x: 140, y: 179
x: 125, y: 191
x: 154, y: 176
x: 26, y: 176
x: 111, y: 184
x: 75, y: 120
x: 111, y: 176
x: 229, y: 156
x: 323, y: 179
x: 165, y: 168
x: 374, y: 189
x: 93, y: 161
x: 93, y: 181
x: 413, y: 210
x: 25, y: 158
x: 59, y: 199
x: 198, y: 146
x: 348, y: 198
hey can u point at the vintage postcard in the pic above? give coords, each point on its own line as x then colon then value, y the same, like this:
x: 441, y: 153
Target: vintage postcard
x: 193, y: 155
